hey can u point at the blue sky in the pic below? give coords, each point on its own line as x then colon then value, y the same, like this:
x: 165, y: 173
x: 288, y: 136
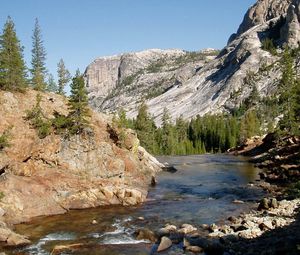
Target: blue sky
x: 80, y: 31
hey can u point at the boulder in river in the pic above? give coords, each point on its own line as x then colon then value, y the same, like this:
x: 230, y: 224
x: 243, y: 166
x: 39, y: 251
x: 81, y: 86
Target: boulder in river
x: 146, y: 234
x: 187, y: 228
x: 165, y: 244
x: 194, y: 249
x: 263, y: 205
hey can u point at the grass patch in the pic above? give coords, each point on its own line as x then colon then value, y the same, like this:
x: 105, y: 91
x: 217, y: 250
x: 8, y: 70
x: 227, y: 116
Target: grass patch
x: 268, y: 45
x: 1, y: 195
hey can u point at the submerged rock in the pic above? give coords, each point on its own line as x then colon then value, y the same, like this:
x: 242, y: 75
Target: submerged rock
x: 146, y: 234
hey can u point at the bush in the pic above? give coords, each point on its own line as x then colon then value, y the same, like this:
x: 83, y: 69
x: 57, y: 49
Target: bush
x: 4, y: 140
x: 44, y: 129
x: 38, y: 120
x: 1, y: 195
x: 268, y: 45
x: 60, y: 123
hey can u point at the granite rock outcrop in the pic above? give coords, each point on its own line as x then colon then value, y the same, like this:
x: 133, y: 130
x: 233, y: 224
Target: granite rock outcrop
x: 55, y: 174
x: 204, y: 82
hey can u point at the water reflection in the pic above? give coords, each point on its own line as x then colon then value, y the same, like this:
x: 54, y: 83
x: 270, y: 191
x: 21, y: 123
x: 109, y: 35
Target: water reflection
x: 200, y: 191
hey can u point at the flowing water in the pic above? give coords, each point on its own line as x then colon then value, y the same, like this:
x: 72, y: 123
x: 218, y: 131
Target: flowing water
x: 202, y: 190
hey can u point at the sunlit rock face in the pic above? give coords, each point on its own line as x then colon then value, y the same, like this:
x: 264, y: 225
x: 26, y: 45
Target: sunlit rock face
x: 199, y: 83
x: 54, y: 174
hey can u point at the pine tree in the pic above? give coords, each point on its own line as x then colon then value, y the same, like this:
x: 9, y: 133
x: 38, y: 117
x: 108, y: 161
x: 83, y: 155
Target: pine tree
x: 297, y: 102
x: 63, y: 76
x: 181, y: 128
x: 146, y: 128
x: 288, y: 86
x: 51, y: 84
x: 168, y: 142
x: 249, y: 125
x: 12, y: 65
x: 78, y: 105
x: 38, y: 71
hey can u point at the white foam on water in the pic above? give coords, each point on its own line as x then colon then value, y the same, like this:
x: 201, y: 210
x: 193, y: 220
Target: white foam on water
x: 38, y: 247
x: 120, y: 235
x: 124, y: 239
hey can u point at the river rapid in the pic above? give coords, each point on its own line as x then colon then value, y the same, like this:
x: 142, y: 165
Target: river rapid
x: 203, y: 189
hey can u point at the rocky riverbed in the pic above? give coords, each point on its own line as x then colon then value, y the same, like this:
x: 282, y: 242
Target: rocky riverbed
x: 272, y: 228
x: 200, y: 189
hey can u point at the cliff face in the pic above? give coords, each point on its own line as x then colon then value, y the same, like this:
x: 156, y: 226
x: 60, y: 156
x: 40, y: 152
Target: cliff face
x: 201, y: 84
x: 126, y: 80
x: 260, y: 13
x: 290, y: 32
x: 52, y: 175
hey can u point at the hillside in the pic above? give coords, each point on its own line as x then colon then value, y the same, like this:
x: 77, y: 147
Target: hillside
x: 55, y: 174
x: 201, y: 83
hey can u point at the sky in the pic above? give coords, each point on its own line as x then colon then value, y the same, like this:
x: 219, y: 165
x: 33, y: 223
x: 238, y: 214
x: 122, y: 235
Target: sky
x: 80, y: 31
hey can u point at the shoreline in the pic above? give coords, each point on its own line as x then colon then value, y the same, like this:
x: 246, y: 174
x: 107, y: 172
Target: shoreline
x: 271, y: 228
x: 234, y: 233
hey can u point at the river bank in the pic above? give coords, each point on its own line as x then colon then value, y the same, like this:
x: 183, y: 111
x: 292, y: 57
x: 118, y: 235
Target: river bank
x: 273, y: 228
x: 55, y: 174
x: 202, y: 190
x: 205, y: 204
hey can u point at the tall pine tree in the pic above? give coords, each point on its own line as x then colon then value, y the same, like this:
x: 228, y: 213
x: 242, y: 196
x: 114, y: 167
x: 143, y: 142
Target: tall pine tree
x: 288, y: 85
x: 78, y: 105
x: 12, y: 65
x: 145, y: 128
x: 51, y: 84
x: 38, y: 71
x: 63, y: 76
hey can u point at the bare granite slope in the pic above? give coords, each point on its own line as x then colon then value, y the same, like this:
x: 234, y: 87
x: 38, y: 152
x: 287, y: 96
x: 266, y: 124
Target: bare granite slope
x: 188, y: 84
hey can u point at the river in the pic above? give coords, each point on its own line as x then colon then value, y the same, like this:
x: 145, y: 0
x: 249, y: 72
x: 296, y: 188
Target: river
x: 202, y: 190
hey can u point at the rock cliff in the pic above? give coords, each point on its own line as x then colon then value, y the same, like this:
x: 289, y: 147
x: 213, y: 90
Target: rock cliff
x: 128, y: 79
x: 260, y: 13
x: 199, y: 85
x: 55, y: 174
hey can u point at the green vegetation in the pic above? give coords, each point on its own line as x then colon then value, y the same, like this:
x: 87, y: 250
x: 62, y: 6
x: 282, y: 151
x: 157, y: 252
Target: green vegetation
x: 38, y: 120
x: 78, y: 105
x: 61, y: 124
x: 268, y: 45
x: 12, y: 65
x: 173, y: 64
x: 217, y: 133
x: 63, y: 76
x: 13, y: 72
x: 74, y: 123
x: 127, y: 81
x: 2, y: 195
x: 289, y: 95
x: 211, y: 133
x: 4, y: 140
x: 38, y: 70
x: 155, y: 91
x: 51, y: 84
x: 249, y: 125
x: 156, y: 66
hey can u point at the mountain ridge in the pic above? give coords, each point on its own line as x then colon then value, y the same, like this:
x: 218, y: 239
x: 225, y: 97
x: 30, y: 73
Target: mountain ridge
x: 208, y: 86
